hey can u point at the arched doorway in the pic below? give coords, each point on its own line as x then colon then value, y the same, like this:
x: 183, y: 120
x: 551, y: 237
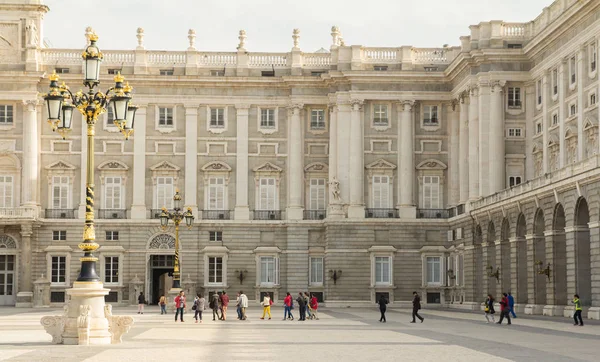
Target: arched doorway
x: 539, y: 252
x: 161, y: 261
x: 8, y: 270
x: 583, y: 271
x: 521, y: 260
x: 505, y: 268
x: 560, y: 256
x: 479, y: 267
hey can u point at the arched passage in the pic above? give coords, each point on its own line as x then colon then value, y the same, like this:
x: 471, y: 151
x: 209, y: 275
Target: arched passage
x: 478, y: 255
x: 539, y: 251
x: 506, y: 258
x: 583, y: 272
x: 560, y: 256
x: 491, y: 257
x: 521, y: 260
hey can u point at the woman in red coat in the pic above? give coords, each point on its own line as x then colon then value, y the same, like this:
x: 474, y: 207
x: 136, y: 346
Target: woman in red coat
x: 314, y: 305
x: 288, y: 305
x: 504, y: 309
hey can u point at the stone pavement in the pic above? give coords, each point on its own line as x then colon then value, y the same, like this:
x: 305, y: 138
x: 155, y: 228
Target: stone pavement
x: 341, y: 334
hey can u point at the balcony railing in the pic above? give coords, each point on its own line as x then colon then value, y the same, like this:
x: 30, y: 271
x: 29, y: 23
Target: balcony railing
x: 432, y: 214
x: 60, y: 214
x: 112, y: 214
x: 315, y: 214
x: 216, y: 214
x: 381, y: 213
x: 267, y: 214
x: 17, y: 213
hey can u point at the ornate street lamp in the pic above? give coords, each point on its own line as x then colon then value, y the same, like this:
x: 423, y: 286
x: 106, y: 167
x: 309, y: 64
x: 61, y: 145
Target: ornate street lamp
x: 177, y: 217
x: 87, y: 321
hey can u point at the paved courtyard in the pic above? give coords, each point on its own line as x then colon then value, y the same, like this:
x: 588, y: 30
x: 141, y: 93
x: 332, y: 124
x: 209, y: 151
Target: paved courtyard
x: 340, y: 335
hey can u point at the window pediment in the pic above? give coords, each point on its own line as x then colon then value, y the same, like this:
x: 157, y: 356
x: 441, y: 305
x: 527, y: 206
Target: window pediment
x: 381, y: 164
x: 165, y: 166
x: 268, y: 167
x: 317, y: 167
x: 60, y: 166
x: 432, y: 164
x: 113, y: 166
x: 590, y: 122
x: 216, y: 166
x: 570, y: 132
x: 537, y: 148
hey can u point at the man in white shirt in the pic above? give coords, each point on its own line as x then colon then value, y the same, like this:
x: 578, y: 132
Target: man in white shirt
x: 243, y: 300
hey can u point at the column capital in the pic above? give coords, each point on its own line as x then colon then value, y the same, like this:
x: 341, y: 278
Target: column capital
x: 31, y: 104
x: 26, y: 230
x: 473, y: 90
x: 240, y: 106
x: 332, y: 107
x: 191, y: 110
x: 357, y: 104
x: 295, y: 108
x: 407, y: 105
x: 497, y: 86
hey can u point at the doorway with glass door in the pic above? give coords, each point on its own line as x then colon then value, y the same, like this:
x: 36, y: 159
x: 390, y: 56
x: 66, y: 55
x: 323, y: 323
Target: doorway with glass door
x: 7, y: 280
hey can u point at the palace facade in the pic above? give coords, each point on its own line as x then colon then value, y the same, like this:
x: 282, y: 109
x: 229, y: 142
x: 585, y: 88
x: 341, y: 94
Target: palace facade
x: 349, y: 172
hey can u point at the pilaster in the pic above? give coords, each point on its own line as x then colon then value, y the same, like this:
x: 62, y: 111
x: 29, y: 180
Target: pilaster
x: 581, y: 71
x: 562, y: 113
x: 594, y: 311
x: 571, y: 261
x: 25, y: 286
x: 514, y: 242
x: 545, y: 132
x: 406, y: 170
x: 483, y: 269
x: 138, y: 207
x: 191, y: 159
x: 474, y: 144
x: 295, y: 210
x: 463, y: 149
x: 334, y: 208
x: 30, y: 183
x: 242, y: 210
x: 356, y: 209
x: 454, y: 153
x: 484, y: 139
x: 496, y: 139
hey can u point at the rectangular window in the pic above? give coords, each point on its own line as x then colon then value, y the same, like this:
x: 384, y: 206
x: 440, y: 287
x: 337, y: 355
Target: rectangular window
x: 266, y: 192
x: 59, y: 269
x: 215, y: 270
x: 60, y: 192
x: 215, y: 236
x: 112, y: 193
x: 316, y: 271
x: 538, y: 89
x: 164, y: 192
x: 458, y: 233
x: 111, y: 269
x: 383, y: 270
x: 381, y: 192
x: 317, y: 194
x: 592, y: 99
x: 380, y: 68
x: 514, y: 132
x: 269, y: 270
x: 573, y: 70
x: 514, y: 181
x: 514, y: 97
x: 593, y: 56
x: 166, y: 72
x: 555, y: 119
x: 6, y: 191
x: 267, y: 118
x: 110, y: 117
x: 6, y: 114
x: 317, y: 119
x: 216, y: 193
x: 434, y: 268
x: 538, y: 128
x: 555, y: 82
x: 59, y: 235
x: 572, y: 110
x: 380, y: 115
x: 165, y: 117
x: 112, y: 236
x: 217, y: 117
x: 431, y: 192
x: 430, y: 115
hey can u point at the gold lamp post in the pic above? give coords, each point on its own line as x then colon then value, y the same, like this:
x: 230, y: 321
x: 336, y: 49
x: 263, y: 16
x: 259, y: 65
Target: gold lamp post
x: 177, y: 216
x: 60, y: 102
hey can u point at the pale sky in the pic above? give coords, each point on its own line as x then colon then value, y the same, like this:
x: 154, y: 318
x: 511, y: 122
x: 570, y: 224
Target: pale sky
x: 269, y: 23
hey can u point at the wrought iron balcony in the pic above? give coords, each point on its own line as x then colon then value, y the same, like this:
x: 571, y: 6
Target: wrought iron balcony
x: 216, y: 214
x: 267, y: 214
x: 432, y: 214
x: 112, y: 214
x: 315, y: 214
x: 381, y: 213
x: 60, y: 214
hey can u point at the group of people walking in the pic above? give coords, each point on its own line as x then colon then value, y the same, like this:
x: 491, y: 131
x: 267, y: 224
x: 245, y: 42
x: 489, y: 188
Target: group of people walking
x: 507, y: 307
x: 415, y: 312
x: 307, y: 305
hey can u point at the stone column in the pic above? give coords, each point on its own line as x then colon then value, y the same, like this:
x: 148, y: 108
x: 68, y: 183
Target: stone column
x: 594, y: 311
x: 529, y: 130
x: 570, y: 232
x: 496, y: 139
x: 30, y: 184
x: 191, y: 159
x: 581, y: 71
x: 356, y: 210
x: 454, y: 155
x: 343, y: 150
x: 531, y: 307
x: 242, y: 210
x: 138, y: 208
x: 334, y: 208
x: 474, y: 145
x: 463, y: 150
x: 498, y: 264
x: 484, y: 137
x: 514, y: 253
x: 295, y: 210
x: 406, y: 162
x: 562, y: 113
x: 483, y: 269
x: 545, y: 96
x: 25, y: 286
x: 550, y: 299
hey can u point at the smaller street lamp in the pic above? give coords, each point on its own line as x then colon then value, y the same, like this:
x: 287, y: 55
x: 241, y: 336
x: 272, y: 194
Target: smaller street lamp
x: 177, y: 216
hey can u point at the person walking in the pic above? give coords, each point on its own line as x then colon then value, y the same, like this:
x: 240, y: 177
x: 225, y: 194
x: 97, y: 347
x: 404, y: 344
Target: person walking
x: 382, y: 307
x: 224, y: 305
x: 163, y: 304
x: 307, y: 305
x: 266, y: 304
x: 287, y: 307
x: 180, y: 305
x: 243, y: 304
x: 141, y: 302
x: 577, y: 314
x: 511, y: 305
x: 504, y: 309
x: 301, y: 307
x: 314, y: 304
x: 416, y: 307
x: 238, y: 307
x: 220, y: 304
x: 489, y: 308
x: 214, y: 305
x: 199, y: 307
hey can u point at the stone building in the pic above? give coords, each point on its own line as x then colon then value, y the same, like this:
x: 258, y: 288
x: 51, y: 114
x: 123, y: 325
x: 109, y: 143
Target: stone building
x: 455, y: 171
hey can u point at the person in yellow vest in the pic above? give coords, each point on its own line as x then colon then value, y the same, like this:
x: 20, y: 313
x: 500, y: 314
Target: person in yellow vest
x: 266, y: 304
x: 577, y: 315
